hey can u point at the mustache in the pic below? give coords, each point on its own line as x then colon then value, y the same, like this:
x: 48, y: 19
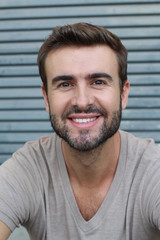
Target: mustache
x: 89, y: 109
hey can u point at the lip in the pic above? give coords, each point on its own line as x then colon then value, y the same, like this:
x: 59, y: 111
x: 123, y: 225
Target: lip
x: 84, y: 121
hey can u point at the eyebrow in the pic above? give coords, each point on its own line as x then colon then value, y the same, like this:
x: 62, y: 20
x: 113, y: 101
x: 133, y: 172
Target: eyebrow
x: 90, y: 76
x: 101, y: 75
x: 62, y: 78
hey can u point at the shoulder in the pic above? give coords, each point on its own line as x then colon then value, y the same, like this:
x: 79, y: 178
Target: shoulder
x: 43, y: 144
x: 142, y: 155
x: 141, y: 148
x: 33, y: 159
x: 36, y: 150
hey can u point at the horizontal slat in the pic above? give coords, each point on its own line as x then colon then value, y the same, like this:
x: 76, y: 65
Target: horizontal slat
x: 25, y: 126
x: 9, y: 104
x: 131, y: 114
x: 27, y: 3
x: 4, y: 157
x: 144, y: 67
x: 20, y: 82
x: 141, y: 44
x: 72, y: 11
x: 123, y: 21
x: 136, y: 31
x: 20, y: 93
x: 130, y: 44
x: 9, y: 148
x: 19, y: 70
x: 145, y: 91
x: 145, y: 102
x: 22, y: 59
x: 27, y: 115
x: 20, y: 137
x: 144, y: 125
x: 38, y: 35
x: 20, y: 48
x: 145, y: 79
x: 144, y: 56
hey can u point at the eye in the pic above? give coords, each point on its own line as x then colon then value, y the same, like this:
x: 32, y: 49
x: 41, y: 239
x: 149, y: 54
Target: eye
x: 98, y: 82
x: 64, y: 84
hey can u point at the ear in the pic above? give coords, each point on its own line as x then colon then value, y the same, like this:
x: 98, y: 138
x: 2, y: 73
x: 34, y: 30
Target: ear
x: 124, y: 94
x: 45, y: 97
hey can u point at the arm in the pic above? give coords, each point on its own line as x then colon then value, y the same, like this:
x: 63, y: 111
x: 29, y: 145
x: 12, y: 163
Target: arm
x: 4, y: 231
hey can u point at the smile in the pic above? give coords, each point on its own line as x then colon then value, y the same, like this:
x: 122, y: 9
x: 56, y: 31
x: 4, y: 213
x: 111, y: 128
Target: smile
x: 83, y: 120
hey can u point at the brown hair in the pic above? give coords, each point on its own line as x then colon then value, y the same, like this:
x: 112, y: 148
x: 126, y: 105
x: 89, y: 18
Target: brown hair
x: 82, y: 34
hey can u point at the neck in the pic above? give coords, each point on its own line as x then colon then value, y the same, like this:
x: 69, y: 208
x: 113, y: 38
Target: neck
x: 91, y: 168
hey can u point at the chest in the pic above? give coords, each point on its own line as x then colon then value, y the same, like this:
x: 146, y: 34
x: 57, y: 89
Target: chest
x: 89, y: 202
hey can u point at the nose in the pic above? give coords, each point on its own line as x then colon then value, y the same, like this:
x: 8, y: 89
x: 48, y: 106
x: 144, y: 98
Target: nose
x: 82, y: 97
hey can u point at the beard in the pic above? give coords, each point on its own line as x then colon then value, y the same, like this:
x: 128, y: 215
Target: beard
x: 86, y: 142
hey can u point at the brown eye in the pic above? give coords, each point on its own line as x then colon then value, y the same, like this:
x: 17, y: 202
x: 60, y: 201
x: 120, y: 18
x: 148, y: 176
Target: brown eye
x: 64, y: 84
x: 99, y: 82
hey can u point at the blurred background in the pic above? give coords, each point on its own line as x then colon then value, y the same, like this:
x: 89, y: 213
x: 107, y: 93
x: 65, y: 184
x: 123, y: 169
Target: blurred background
x: 24, y: 25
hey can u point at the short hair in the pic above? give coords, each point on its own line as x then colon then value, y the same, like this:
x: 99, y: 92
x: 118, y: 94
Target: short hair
x: 82, y: 34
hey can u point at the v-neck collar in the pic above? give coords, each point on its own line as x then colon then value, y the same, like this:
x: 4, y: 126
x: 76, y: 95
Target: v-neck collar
x: 97, y: 219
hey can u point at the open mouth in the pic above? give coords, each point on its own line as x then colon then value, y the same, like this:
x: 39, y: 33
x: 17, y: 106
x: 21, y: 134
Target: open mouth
x: 84, y: 120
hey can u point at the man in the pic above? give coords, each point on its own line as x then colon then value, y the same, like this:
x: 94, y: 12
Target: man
x: 88, y: 180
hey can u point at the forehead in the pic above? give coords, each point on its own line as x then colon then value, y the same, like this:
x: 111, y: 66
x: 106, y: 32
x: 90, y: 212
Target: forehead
x: 76, y: 60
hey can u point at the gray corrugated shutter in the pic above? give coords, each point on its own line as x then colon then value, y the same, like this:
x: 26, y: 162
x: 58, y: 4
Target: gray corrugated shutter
x: 23, y: 27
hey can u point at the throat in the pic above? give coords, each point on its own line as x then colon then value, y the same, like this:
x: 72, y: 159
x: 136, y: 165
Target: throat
x: 86, y: 158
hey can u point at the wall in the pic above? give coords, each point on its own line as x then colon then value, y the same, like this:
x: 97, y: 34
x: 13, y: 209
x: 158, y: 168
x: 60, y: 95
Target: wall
x: 23, y: 27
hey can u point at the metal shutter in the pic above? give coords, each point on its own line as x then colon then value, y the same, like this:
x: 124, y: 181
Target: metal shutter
x: 23, y: 27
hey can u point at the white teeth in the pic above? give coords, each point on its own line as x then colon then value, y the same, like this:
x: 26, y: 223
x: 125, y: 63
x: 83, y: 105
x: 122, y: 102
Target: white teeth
x: 83, y: 120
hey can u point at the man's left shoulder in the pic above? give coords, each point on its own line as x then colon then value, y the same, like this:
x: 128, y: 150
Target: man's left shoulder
x: 141, y: 147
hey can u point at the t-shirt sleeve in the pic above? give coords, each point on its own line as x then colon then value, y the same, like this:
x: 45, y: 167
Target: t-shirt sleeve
x: 18, y: 187
x: 151, y: 195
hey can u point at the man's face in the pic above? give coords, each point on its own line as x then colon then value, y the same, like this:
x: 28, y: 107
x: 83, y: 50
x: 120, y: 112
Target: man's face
x: 84, y: 99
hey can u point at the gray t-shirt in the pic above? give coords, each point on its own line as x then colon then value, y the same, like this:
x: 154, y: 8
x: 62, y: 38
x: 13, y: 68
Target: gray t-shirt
x: 35, y: 192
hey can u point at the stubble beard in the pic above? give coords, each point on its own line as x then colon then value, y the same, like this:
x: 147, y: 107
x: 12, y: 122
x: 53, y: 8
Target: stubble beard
x: 86, y: 142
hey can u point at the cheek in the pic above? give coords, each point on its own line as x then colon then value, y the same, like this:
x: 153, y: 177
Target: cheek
x: 57, y: 105
x: 109, y: 101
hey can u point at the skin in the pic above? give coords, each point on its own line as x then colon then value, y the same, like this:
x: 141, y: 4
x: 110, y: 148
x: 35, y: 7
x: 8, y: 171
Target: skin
x: 71, y: 83
x: 4, y: 231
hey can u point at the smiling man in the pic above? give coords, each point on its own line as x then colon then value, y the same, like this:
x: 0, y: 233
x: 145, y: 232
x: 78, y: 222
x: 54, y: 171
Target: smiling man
x: 89, y: 180
x: 89, y: 108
